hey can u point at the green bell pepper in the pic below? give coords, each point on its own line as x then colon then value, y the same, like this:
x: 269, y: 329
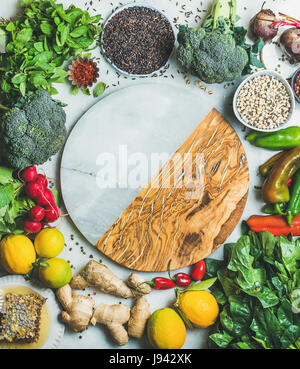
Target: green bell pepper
x: 284, y: 139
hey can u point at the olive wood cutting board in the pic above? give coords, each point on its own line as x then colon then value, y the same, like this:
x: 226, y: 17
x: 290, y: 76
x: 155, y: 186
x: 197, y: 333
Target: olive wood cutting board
x: 189, y: 208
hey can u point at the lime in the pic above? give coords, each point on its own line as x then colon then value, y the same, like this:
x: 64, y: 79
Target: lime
x: 166, y: 329
x: 57, y: 274
x: 49, y: 243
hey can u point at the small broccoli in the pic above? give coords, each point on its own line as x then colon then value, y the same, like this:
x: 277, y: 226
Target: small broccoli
x: 217, y: 51
x: 33, y: 131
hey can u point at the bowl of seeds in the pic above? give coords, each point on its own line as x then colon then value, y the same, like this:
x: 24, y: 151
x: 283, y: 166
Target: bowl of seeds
x: 264, y: 101
x: 138, y: 40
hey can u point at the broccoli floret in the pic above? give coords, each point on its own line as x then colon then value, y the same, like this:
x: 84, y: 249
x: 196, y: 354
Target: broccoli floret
x: 32, y: 131
x: 211, y: 52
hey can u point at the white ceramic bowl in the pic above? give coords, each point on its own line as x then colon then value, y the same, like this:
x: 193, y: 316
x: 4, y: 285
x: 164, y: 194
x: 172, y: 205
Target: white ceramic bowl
x: 288, y: 88
x: 130, y: 5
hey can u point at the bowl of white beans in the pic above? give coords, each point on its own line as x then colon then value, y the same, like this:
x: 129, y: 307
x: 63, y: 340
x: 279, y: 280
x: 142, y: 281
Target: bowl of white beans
x: 264, y: 102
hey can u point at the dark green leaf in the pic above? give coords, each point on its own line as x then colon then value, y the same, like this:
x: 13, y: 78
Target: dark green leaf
x: 290, y: 254
x: 221, y: 339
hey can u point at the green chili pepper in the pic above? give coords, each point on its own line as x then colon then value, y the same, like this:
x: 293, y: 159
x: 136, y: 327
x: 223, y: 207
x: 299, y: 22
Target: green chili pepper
x: 275, y: 189
x: 265, y: 168
x: 294, y: 204
x: 284, y: 139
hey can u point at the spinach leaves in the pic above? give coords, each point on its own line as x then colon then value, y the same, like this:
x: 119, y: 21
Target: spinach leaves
x: 258, y: 288
x: 38, y: 43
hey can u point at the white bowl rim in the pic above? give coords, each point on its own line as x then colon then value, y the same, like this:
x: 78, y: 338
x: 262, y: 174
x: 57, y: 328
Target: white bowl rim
x: 249, y: 78
x: 118, y: 10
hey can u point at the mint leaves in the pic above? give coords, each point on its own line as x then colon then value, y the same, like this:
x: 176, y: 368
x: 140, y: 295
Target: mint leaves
x: 38, y: 43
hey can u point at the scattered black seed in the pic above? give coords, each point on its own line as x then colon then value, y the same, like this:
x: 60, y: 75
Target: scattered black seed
x: 138, y: 40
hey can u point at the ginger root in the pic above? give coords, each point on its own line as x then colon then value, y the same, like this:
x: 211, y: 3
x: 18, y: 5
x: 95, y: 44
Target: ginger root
x: 113, y: 317
x: 139, y: 315
x: 78, y: 308
x: 136, y: 282
x: 100, y: 276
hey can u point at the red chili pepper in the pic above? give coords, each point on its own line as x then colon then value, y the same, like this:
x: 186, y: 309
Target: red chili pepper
x: 161, y: 283
x: 275, y: 224
x: 198, y: 270
x: 289, y: 182
x: 182, y: 279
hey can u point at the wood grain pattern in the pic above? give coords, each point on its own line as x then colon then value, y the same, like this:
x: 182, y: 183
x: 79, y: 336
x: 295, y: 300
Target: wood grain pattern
x: 189, y: 208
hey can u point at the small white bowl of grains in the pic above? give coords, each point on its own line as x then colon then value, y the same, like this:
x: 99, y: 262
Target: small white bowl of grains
x: 264, y: 101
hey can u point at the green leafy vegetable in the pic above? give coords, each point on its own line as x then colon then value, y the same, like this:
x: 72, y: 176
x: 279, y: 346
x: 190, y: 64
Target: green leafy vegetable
x: 14, y: 205
x: 38, y: 42
x: 258, y: 287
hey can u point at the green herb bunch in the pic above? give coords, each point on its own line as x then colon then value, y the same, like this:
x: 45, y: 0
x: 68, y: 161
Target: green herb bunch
x: 258, y: 288
x: 38, y: 43
x: 14, y: 205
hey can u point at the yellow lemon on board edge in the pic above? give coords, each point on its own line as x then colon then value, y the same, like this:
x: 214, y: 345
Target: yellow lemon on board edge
x: 57, y: 274
x: 49, y: 243
x: 17, y: 254
x: 200, y: 307
x: 166, y: 330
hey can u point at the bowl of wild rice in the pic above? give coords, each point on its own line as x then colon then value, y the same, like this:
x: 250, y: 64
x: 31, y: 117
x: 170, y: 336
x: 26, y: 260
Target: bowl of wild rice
x: 138, y: 40
x: 264, y: 101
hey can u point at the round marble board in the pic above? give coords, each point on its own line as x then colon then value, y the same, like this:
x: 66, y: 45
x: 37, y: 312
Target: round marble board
x: 108, y: 159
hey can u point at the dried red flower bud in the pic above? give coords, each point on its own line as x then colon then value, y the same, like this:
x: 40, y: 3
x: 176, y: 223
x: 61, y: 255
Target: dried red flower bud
x: 83, y: 72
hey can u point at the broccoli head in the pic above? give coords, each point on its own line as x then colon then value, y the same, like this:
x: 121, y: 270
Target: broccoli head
x: 215, y: 53
x: 214, y: 58
x: 32, y: 131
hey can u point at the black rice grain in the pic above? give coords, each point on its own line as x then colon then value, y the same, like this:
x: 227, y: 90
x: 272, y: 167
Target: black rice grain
x: 138, y: 40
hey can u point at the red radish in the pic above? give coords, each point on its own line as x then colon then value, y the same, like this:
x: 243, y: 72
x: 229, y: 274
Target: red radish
x: 51, y: 213
x: 29, y: 174
x: 42, y: 180
x: 45, y: 197
x: 33, y: 189
x: 37, y: 213
x: 31, y: 226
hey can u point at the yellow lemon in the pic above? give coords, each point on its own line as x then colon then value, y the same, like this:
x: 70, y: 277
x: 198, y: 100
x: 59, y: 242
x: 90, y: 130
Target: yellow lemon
x: 17, y: 254
x: 166, y: 329
x: 57, y: 274
x: 49, y: 243
x: 200, y: 307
